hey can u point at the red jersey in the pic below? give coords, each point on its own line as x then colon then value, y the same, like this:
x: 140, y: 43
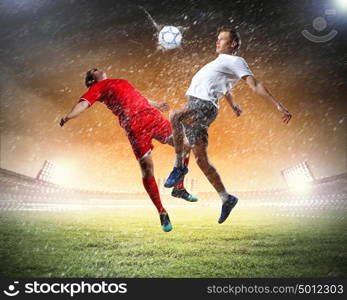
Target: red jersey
x: 120, y: 97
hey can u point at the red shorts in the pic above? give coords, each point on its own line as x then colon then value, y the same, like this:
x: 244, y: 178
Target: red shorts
x: 144, y: 127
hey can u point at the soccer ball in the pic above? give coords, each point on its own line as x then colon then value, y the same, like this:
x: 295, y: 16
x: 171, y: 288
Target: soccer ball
x: 170, y: 37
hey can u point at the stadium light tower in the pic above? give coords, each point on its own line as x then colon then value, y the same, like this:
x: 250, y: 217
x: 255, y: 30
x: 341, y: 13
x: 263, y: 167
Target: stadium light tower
x: 47, y: 172
x: 51, y: 173
x: 298, y: 177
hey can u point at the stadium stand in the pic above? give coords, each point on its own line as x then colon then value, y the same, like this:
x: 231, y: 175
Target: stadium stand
x: 20, y: 192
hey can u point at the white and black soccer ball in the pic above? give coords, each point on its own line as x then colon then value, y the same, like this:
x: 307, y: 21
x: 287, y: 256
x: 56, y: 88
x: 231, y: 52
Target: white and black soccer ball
x: 170, y: 37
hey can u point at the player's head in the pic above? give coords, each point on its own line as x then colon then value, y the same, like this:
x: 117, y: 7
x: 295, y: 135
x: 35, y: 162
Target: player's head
x: 228, y: 41
x: 93, y: 76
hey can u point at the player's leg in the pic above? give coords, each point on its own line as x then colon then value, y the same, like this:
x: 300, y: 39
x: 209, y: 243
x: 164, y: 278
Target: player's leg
x: 184, y: 161
x: 163, y: 133
x: 180, y: 184
x: 178, y: 118
x: 201, y: 156
x: 142, y: 147
x: 179, y: 191
x: 146, y: 165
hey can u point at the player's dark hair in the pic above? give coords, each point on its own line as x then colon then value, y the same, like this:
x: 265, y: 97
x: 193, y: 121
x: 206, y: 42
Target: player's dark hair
x: 234, y: 36
x: 90, y: 80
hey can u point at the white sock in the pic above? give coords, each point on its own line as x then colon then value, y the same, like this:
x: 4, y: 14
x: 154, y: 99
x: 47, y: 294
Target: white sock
x: 224, y: 196
x: 179, y: 160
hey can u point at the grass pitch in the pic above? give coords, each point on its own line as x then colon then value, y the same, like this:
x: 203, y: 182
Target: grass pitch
x: 128, y: 242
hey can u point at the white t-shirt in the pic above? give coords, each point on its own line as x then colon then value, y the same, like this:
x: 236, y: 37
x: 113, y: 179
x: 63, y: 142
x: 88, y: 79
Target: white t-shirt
x: 215, y: 79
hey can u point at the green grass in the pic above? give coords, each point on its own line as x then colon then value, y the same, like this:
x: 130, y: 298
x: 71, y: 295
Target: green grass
x: 129, y: 243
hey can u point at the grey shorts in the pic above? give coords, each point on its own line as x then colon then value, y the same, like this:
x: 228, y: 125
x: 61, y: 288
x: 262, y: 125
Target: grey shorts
x: 203, y: 114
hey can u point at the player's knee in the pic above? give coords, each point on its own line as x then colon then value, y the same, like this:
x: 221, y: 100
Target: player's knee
x: 146, y: 169
x: 147, y: 172
x: 175, y: 117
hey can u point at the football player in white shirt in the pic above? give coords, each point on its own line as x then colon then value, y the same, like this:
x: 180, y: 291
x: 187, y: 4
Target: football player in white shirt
x: 212, y: 82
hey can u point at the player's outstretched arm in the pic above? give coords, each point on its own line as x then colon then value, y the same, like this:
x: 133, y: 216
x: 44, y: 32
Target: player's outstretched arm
x: 260, y: 90
x: 235, y: 107
x: 75, y: 111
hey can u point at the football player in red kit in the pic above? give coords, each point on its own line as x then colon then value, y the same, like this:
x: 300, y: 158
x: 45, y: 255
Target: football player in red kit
x: 142, y: 122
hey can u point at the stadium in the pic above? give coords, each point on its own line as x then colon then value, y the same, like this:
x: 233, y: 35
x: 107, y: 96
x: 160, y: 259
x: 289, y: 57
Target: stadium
x: 51, y: 231
x: 72, y: 200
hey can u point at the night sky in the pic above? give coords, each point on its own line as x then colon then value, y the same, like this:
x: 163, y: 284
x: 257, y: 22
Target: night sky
x: 47, y: 46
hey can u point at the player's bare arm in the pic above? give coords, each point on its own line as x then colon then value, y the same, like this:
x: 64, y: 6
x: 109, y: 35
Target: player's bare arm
x: 235, y: 107
x: 161, y: 106
x: 260, y: 90
x: 75, y: 111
